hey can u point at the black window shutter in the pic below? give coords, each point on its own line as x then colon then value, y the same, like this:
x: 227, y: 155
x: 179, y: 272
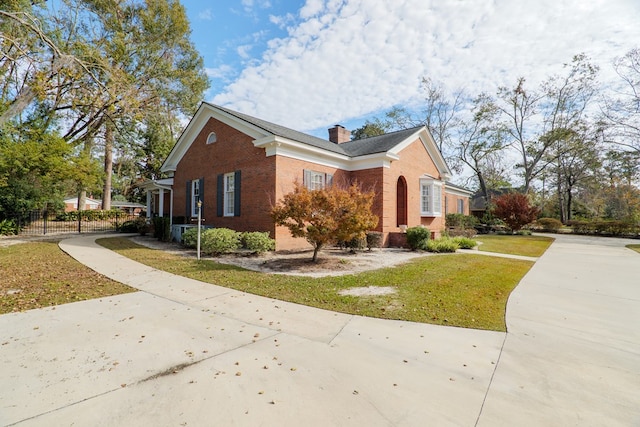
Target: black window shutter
x: 236, y: 194
x: 188, y: 200
x: 306, y: 178
x: 220, y: 195
x: 201, y: 193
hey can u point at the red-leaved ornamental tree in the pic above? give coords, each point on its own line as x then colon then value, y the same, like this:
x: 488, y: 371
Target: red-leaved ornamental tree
x: 515, y: 210
x: 326, y: 216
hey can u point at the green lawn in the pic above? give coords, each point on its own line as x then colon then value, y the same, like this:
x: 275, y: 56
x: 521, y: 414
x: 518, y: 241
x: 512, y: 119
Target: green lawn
x: 456, y: 289
x: 35, y: 275
x: 634, y: 248
x: 533, y: 246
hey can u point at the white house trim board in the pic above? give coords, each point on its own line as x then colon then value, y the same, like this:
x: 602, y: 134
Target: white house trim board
x: 457, y: 191
x: 193, y: 129
x: 295, y: 150
x: 429, y: 145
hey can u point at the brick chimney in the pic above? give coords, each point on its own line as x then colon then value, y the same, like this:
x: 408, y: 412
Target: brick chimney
x: 339, y: 134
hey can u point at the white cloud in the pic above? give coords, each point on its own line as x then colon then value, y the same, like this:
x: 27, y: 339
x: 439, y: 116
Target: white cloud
x: 244, y: 51
x: 311, y: 8
x: 222, y: 72
x: 281, y: 21
x: 249, y: 5
x: 205, y: 15
x: 349, y: 58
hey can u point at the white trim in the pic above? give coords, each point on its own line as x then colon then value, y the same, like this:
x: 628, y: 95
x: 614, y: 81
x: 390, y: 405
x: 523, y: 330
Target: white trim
x: 457, y: 191
x: 432, y: 149
x: 276, y: 145
x: 228, y: 209
x: 433, y: 187
x: 193, y: 129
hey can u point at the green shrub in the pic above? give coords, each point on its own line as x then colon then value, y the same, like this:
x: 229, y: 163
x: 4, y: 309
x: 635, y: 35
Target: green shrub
x: 8, y: 227
x: 442, y: 245
x: 356, y: 244
x: 374, y: 239
x: 129, y: 227
x: 464, y: 242
x: 549, y: 224
x: 216, y: 241
x: 90, y: 215
x: 142, y: 226
x: 417, y: 238
x: 523, y: 232
x: 457, y: 220
x: 258, y: 241
x: 464, y: 232
x: 162, y: 228
x: 605, y: 227
x: 190, y: 237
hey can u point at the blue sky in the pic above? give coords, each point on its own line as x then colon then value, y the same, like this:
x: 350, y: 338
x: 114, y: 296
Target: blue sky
x: 310, y: 64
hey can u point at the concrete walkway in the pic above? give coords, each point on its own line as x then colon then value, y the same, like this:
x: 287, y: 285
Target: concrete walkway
x: 572, y: 352
x: 180, y: 352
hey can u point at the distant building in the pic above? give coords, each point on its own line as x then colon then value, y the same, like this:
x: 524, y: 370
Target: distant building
x: 71, y: 204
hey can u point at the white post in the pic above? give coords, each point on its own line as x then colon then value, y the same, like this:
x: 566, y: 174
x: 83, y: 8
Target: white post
x: 199, y: 222
x: 149, y: 197
x: 161, y: 203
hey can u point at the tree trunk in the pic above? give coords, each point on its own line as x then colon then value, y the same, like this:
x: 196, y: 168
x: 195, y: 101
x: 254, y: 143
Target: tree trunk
x: 483, y: 187
x: 569, y: 202
x: 108, y: 166
x: 561, y: 205
x: 82, y: 199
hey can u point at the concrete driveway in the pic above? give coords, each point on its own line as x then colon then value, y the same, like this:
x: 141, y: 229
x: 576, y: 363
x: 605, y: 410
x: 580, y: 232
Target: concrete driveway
x: 180, y: 353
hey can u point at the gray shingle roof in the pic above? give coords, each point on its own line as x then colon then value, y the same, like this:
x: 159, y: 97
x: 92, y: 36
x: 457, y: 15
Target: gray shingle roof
x: 361, y: 147
x: 286, y: 132
x: 377, y: 144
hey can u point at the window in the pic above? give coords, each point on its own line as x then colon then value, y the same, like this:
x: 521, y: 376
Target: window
x: 460, y: 206
x: 314, y: 180
x: 229, y: 194
x: 212, y: 138
x: 430, y: 197
x: 195, y: 196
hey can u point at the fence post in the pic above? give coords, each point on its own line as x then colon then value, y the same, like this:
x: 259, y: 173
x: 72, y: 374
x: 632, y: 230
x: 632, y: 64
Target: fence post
x: 44, y: 222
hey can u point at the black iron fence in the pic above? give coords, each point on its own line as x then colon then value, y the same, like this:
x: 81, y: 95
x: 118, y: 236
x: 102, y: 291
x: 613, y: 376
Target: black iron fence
x: 43, y: 222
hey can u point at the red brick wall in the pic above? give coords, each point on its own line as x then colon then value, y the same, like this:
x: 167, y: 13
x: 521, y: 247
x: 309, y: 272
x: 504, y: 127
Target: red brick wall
x: 232, y: 151
x: 413, y: 164
x: 262, y: 187
x: 452, y: 203
x: 291, y: 171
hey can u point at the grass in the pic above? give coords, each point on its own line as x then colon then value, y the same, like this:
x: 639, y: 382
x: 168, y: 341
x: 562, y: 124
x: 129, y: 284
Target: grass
x: 533, y: 246
x: 456, y: 290
x: 40, y: 274
x: 634, y: 248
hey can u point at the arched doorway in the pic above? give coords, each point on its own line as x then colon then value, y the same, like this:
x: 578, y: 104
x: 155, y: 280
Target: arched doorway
x: 401, y: 202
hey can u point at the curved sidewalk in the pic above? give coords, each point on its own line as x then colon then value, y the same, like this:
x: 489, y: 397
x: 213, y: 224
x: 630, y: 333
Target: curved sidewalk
x: 181, y: 352
x: 572, y: 352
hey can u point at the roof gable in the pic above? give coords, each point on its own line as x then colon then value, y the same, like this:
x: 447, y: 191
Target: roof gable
x: 377, y: 151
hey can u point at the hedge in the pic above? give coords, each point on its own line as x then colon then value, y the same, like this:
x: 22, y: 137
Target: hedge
x: 605, y: 227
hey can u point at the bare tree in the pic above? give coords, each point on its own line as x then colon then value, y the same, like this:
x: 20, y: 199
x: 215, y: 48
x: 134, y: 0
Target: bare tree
x: 538, y: 120
x: 481, y: 140
x: 440, y: 114
x: 621, y: 112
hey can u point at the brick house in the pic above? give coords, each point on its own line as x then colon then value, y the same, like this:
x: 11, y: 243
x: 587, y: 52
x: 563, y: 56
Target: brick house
x: 238, y: 166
